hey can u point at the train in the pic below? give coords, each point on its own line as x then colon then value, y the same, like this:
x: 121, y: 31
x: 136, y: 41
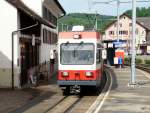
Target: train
x: 80, y: 60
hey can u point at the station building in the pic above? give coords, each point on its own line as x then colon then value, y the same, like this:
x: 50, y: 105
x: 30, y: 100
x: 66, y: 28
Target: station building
x: 125, y: 37
x: 33, y: 28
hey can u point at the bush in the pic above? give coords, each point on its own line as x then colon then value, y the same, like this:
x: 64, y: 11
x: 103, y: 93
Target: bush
x: 138, y: 61
x: 147, y: 62
x: 127, y: 60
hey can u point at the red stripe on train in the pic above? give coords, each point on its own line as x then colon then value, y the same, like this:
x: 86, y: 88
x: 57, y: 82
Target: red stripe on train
x: 79, y: 74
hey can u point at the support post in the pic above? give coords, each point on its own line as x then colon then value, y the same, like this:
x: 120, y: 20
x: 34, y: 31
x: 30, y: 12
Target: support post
x: 118, y: 3
x: 12, y: 60
x: 133, y: 41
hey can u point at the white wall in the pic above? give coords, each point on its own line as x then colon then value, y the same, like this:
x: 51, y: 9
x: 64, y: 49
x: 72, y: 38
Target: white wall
x: 45, y: 48
x: 8, y: 24
x: 35, y: 5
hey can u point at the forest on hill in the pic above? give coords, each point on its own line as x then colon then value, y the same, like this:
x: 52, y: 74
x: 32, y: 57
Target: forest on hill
x: 89, y: 20
x: 141, y: 12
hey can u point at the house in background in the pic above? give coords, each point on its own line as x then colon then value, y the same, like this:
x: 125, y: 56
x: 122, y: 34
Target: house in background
x: 145, y: 21
x: 32, y: 45
x: 125, y: 36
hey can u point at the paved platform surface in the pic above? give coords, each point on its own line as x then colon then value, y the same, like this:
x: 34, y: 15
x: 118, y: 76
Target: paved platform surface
x: 126, y: 99
x: 13, y: 99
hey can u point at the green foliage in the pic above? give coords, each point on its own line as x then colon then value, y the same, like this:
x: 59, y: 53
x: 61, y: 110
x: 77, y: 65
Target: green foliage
x: 138, y: 61
x: 127, y: 60
x: 147, y: 62
x: 141, y: 12
x: 87, y: 20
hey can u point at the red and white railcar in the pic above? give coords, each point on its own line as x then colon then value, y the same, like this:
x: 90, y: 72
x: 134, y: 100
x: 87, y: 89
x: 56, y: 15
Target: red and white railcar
x: 80, y: 60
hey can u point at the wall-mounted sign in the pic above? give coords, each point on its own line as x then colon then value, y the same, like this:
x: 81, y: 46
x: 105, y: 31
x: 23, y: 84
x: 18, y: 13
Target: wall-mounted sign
x: 119, y: 44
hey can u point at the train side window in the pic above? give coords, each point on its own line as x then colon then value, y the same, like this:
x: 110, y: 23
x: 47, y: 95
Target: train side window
x: 98, y: 56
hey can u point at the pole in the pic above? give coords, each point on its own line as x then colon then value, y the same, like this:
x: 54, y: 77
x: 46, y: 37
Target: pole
x: 62, y: 27
x: 96, y: 21
x: 133, y: 41
x: 12, y: 61
x: 118, y: 3
x: 67, y: 28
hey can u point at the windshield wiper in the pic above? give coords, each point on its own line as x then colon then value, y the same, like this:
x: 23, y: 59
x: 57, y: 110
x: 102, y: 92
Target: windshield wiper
x: 67, y: 43
x: 74, y: 52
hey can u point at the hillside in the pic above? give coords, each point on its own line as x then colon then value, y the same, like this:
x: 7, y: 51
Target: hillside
x: 88, y: 20
x: 141, y: 12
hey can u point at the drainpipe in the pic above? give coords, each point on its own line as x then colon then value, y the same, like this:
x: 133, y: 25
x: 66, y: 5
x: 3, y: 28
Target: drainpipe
x: 13, y: 33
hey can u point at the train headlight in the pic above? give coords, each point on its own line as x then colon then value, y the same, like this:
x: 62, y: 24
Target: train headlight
x: 89, y: 74
x: 65, y: 74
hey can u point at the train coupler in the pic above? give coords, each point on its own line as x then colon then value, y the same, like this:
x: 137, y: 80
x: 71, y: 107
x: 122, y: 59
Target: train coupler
x: 75, y: 89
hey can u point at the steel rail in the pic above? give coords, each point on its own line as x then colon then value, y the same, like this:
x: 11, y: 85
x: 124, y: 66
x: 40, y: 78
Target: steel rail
x: 96, y: 106
x: 52, y: 107
x: 72, y: 106
x: 66, y: 110
x: 143, y: 67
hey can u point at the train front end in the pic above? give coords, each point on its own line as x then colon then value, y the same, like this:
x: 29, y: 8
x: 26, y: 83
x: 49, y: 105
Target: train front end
x: 78, y: 65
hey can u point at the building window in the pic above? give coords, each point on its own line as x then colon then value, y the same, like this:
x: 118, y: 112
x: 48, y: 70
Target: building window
x: 130, y: 24
x: 123, y: 32
x: 49, y: 16
x: 143, y: 32
x: 111, y: 32
x: 136, y: 31
x: 120, y: 32
x: 120, y: 25
x: 44, y: 35
x: 49, y: 37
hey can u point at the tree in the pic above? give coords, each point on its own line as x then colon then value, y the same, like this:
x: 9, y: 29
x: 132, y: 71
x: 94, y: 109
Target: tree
x: 141, y: 12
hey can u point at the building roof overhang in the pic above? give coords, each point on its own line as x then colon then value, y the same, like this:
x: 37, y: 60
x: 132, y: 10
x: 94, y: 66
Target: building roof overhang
x: 60, y: 7
x: 21, y: 6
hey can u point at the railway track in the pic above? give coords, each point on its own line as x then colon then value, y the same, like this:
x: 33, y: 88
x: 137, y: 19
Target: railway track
x: 144, y: 67
x: 69, y: 104
x: 96, y: 106
x: 64, y: 105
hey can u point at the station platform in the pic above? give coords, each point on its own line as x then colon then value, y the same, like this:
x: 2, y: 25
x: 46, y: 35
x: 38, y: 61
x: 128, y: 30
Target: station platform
x: 124, y: 98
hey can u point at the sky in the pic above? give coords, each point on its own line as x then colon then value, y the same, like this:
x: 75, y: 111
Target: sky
x: 85, y: 6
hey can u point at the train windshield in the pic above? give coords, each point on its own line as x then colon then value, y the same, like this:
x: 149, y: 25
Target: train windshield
x: 77, y: 54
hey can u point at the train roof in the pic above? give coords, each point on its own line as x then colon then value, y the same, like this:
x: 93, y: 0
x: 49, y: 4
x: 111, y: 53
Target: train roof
x: 81, y: 34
